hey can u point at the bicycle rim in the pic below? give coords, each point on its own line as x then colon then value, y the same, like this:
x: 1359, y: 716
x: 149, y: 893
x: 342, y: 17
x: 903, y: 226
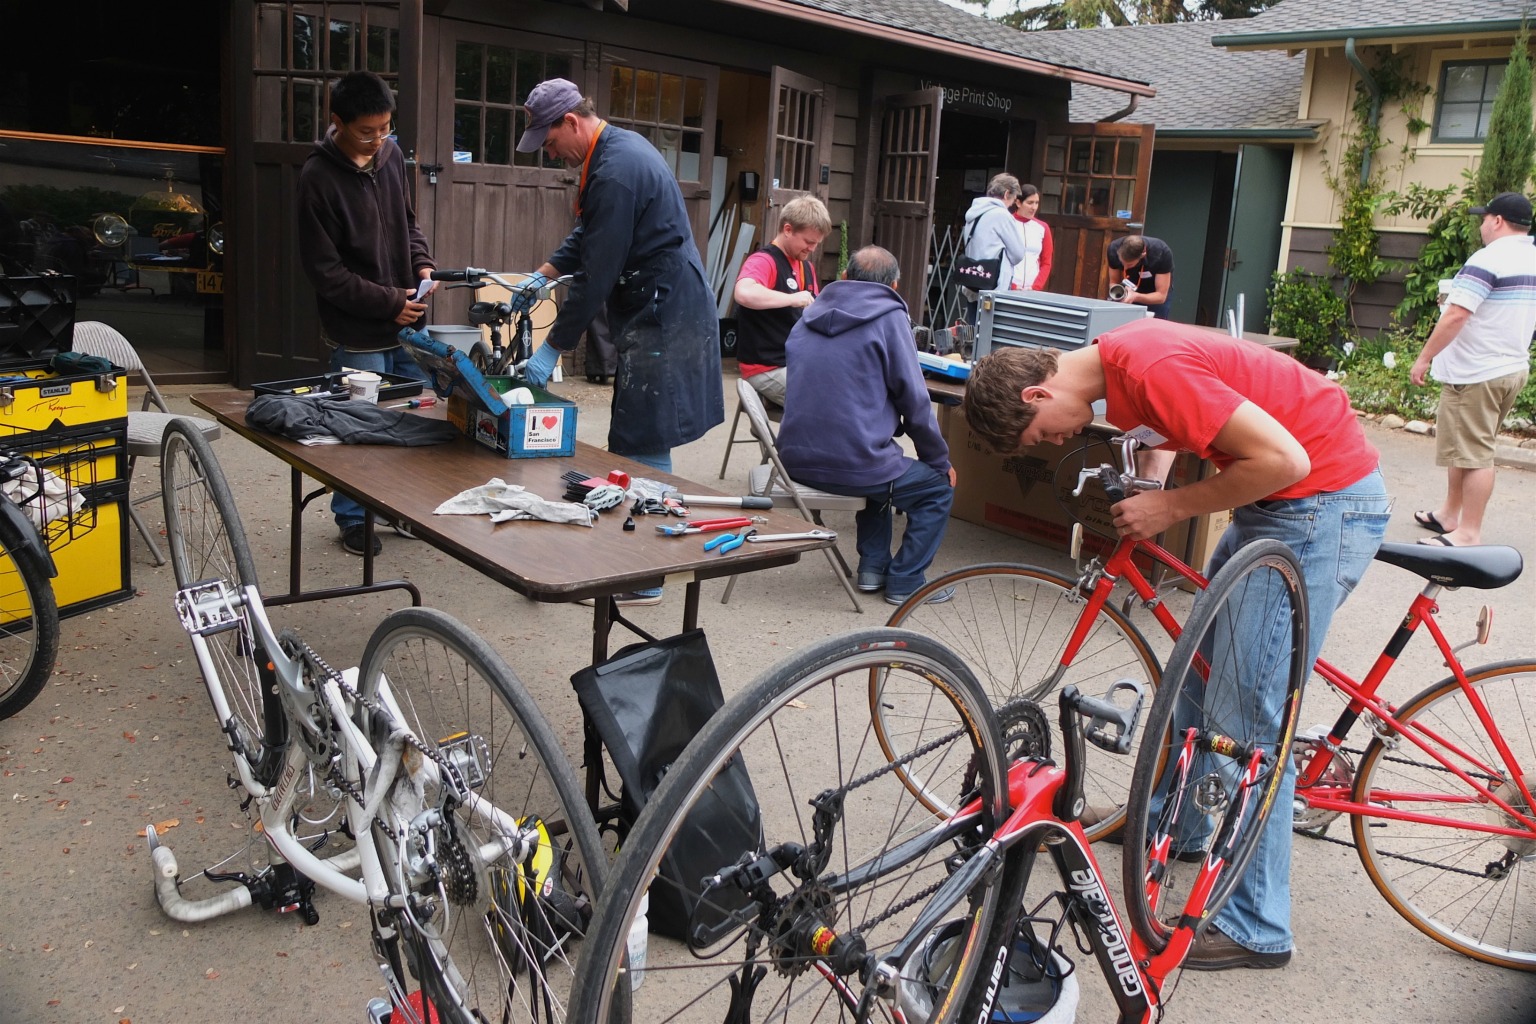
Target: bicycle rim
x: 1011, y: 625
x: 488, y: 935
x: 207, y: 542
x: 1472, y: 890
x: 802, y: 731
x: 1235, y: 674
x: 29, y: 621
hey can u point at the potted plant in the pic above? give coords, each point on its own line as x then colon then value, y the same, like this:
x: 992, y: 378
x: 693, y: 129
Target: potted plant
x: 1304, y: 306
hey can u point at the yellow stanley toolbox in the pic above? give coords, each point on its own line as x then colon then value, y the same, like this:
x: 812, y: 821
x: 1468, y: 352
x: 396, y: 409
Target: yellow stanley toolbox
x: 93, y: 561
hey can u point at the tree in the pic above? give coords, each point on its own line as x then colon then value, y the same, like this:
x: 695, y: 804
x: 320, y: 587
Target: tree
x: 1510, y: 145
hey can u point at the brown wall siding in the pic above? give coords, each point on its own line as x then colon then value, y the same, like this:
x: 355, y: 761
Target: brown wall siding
x: 1372, y: 304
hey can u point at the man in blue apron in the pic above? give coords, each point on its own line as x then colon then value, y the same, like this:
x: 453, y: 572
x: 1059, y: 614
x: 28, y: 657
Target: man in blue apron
x: 633, y: 248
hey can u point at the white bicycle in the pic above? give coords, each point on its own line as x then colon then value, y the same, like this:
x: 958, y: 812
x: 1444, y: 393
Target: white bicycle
x: 426, y: 785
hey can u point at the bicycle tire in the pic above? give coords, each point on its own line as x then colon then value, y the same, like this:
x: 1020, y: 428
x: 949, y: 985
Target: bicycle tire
x: 486, y: 939
x: 1261, y: 585
x: 1461, y: 887
x: 207, y: 542
x: 803, y: 729
x: 484, y: 360
x: 1005, y: 620
x: 29, y: 618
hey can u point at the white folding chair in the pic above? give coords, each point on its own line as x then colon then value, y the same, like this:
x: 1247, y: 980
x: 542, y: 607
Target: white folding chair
x: 773, y: 413
x: 773, y: 480
x: 145, y: 427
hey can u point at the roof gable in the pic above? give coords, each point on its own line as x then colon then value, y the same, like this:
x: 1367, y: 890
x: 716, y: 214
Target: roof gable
x: 1297, y: 22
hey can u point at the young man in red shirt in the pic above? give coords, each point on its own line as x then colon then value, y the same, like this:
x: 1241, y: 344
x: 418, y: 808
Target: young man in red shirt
x: 776, y: 283
x: 1295, y: 466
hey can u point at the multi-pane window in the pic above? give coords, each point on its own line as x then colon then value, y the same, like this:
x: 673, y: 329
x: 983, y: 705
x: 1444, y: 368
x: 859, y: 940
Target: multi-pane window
x: 906, y: 145
x: 1465, y: 100
x: 302, y: 48
x: 794, y: 140
x: 490, y: 85
x: 665, y: 107
x: 1089, y: 177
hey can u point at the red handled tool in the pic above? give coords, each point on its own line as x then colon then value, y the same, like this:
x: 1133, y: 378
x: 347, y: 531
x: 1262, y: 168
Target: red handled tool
x: 709, y: 525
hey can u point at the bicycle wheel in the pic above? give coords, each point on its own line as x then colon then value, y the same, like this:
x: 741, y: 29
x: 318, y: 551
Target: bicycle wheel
x: 1235, y: 678
x: 828, y: 809
x: 207, y: 542
x: 487, y: 934
x: 1011, y: 624
x: 1457, y: 882
x: 29, y: 618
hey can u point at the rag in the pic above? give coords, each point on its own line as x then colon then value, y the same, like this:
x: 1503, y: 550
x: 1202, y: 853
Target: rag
x: 503, y: 501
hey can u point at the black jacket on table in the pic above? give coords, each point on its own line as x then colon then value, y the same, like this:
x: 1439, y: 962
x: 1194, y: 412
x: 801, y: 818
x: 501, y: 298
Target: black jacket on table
x: 359, y: 243
x: 633, y: 245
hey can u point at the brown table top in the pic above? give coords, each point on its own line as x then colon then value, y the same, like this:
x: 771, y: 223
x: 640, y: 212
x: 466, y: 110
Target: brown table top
x: 542, y: 561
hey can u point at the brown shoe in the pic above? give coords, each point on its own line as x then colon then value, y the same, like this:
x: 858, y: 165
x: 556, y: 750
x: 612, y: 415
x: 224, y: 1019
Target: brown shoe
x: 1213, y: 951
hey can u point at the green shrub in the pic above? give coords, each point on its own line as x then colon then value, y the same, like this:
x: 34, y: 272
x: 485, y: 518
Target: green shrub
x: 1304, y: 306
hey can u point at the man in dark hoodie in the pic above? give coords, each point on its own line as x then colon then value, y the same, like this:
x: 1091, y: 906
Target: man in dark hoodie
x: 854, y: 385
x: 361, y: 248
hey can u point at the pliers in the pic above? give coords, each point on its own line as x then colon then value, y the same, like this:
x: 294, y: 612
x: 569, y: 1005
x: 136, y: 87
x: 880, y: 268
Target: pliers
x: 709, y: 525
x: 729, y: 541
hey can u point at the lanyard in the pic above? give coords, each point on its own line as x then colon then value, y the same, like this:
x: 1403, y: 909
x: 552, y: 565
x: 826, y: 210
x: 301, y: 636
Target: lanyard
x: 581, y: 189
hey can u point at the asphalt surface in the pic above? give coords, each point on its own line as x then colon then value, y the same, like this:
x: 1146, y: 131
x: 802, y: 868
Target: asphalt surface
x: 123, y: 736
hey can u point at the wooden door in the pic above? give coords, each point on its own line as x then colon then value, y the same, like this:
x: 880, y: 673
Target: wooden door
x: 1093, y: 189
x: 295, y: 50
x: 799, y: 150
x: 903, y: 195
x: 490, y: 206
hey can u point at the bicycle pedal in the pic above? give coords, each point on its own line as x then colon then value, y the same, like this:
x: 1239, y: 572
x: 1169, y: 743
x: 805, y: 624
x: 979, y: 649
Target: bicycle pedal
x: 469, y: 755
x: 208, y: 607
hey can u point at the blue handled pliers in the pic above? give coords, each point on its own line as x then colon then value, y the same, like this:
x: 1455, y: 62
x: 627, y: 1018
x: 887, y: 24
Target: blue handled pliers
x: 728, y: 541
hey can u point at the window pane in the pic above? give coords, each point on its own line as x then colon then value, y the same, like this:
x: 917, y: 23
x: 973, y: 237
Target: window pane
x: 379, y: 49
x: 1463, y: 82
x: 1098, y: 198
x: 1493, y: 79
x: 1055, y: 154
x: 498, y: 74
x: 1121, y: 198
x: 1077, y: 160
x: 519, y: 124
x: 1482, y: 121
x: 1104, y: 156
x: 1458, y: 121
x: 558, y: 66
x: 466, y: 130
x: 1125, y: 161
x: 621, y: 100
x: 467, y: 71
x: 530, y: 72
x: 1050, y: 195
x: 671, y: 99
x: 343, y: 45
x: 693, y: 103
x: 1072, y: 200
x: 647, y: 87
x: 303, y: 56
x: 306, y: 112
x: 498, y: 128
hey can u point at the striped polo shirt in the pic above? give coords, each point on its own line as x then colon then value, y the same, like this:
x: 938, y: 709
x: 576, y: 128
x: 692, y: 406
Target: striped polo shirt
x: 1498, y: 285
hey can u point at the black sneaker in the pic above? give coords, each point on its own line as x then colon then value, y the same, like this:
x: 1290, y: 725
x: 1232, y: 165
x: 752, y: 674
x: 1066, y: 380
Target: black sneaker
x: 871, y: 582
x: 353, y: 537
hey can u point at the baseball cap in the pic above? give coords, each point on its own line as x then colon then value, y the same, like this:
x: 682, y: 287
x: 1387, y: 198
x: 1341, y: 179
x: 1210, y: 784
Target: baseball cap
x: 550, y: 101
x: 1512, y: 206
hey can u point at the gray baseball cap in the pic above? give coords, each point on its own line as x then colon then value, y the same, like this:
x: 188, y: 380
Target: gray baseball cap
x: 547, y: 103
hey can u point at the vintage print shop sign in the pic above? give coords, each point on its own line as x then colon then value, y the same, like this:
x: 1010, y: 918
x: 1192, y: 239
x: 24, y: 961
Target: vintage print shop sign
x: 974, y: 97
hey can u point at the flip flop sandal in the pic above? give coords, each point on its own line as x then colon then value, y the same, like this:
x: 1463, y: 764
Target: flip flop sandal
x: 1427, y: 521
x: 1439, y: 541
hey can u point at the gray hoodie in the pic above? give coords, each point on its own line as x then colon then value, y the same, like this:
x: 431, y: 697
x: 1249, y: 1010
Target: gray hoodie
x: 990, y: 230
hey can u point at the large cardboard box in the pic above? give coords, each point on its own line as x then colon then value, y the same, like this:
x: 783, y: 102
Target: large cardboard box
x: 1029, y: 493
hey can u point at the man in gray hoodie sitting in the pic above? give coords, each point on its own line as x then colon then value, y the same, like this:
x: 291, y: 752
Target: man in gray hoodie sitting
x: 853, y: 385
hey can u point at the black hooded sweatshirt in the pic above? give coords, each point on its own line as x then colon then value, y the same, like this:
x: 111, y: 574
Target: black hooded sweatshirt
x: 359, y: 243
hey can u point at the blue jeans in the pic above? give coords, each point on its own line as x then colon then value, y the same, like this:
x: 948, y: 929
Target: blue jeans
x: 396, y: 361
x: 925, y: 496
x: 663, y: 462
x: 1334, y: 536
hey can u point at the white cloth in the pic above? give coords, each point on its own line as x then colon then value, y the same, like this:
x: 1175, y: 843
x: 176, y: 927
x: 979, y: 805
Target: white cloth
x: 503, y: 501
x: 1498, y: 286
x: 44, y: 496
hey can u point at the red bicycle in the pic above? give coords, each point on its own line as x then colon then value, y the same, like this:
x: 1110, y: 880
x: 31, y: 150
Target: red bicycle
x: 1440, y: 794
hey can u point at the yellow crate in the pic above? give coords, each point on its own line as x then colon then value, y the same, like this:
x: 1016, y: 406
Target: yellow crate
x: 46, y: 401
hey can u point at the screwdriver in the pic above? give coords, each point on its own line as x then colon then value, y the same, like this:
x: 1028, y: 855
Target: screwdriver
x: 425, y: 402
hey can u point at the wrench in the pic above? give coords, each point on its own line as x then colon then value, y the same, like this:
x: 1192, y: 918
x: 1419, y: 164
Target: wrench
x: 758, y: 538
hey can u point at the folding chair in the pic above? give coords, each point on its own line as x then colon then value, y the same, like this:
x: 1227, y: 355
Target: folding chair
x: 145, y: 428
x: 773, y: 480
x: 774, y: 414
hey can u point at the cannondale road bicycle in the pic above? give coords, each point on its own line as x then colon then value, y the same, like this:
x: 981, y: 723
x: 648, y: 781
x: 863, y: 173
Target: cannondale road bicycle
x: 425, y: 785
x: 1439, y: 794
x: 891, y: 888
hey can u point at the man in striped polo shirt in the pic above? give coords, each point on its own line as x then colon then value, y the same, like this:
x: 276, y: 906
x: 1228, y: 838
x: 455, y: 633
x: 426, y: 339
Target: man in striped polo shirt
x: 1480, y: 354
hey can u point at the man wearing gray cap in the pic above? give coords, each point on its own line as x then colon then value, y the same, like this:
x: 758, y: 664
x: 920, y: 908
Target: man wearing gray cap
x: 1480, y: 354
x: 633, y: 246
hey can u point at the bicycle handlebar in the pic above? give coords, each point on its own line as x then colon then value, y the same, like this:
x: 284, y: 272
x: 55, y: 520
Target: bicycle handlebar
x: 476, y: 276
x: 1118, y: 483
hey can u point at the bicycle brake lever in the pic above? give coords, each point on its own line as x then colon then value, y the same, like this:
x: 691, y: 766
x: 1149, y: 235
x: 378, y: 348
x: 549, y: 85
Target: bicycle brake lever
x: 1111, y: 726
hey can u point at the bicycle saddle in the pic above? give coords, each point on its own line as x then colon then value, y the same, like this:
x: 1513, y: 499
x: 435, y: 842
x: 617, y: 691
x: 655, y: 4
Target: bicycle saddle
x: 1481, y: 566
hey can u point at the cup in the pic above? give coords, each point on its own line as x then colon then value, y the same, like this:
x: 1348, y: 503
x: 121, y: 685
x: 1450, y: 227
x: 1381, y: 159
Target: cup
x: 363, y: 385
x: 518, y: 396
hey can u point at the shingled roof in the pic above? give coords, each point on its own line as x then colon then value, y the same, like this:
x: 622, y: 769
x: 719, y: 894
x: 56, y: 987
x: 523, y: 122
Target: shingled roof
x: 1202, y: 91
x: 1297, y: 23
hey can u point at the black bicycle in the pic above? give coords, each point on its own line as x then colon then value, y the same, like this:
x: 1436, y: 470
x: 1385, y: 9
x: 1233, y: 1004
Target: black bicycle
x: 494, y: 359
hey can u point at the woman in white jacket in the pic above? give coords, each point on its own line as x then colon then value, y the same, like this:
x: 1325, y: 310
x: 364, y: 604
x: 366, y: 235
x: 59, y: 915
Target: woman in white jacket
x: 991, y: 232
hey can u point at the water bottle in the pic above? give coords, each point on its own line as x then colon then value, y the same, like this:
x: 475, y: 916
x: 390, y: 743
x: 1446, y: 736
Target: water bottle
x: 638, y: 931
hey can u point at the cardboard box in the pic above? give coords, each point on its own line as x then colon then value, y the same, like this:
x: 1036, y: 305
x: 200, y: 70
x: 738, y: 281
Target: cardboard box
x: 1029, y: 494
x: 546, y: 428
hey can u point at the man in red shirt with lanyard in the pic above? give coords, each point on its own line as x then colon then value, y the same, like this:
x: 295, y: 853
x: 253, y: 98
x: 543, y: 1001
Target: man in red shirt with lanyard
x: 775, y: 284
x: 1295, y: 466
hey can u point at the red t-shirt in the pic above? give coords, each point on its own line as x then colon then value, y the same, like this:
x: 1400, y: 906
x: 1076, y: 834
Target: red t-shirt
x: 1183, y: 383
x: 759, y: 266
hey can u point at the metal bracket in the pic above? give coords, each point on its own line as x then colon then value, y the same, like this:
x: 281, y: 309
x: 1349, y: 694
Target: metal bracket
x: 431, y: 171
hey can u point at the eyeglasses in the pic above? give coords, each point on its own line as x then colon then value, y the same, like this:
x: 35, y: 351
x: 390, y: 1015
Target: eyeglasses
x: 370, y: 138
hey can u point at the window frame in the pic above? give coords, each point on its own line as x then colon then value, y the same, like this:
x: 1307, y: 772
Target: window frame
x: 1442, y: 66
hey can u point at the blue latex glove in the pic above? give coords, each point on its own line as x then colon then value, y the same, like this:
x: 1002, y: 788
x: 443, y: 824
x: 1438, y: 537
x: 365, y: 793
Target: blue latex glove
x: 528, y: 294
x: 538, y: 369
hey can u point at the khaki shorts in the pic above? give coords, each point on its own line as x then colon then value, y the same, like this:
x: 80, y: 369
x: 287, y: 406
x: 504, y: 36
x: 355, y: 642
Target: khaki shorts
x: 1469, y: 417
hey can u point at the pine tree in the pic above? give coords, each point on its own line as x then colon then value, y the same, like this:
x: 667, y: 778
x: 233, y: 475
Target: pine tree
x: 1510, y: 146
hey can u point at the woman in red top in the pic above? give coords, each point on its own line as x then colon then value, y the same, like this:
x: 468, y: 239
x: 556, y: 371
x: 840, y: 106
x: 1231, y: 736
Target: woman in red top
x: 1032, y: 274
